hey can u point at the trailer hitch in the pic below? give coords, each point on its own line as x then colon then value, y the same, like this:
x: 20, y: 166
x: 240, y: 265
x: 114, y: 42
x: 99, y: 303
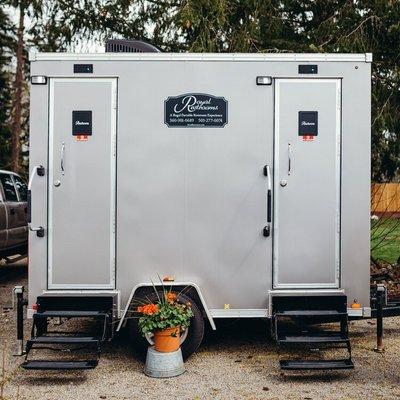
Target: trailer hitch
x: 19, y: 302
x: 380, y: 299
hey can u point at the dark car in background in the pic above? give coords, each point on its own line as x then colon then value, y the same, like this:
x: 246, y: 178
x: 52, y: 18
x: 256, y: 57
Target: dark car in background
x: 13, y: 215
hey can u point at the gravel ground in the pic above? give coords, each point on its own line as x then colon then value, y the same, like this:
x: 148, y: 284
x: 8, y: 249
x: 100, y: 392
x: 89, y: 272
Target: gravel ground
x: 236, y: 362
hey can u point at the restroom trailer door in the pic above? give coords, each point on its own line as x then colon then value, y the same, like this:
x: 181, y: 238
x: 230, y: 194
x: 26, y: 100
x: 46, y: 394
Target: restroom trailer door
x: 81, y: 187
x: 307, y: 183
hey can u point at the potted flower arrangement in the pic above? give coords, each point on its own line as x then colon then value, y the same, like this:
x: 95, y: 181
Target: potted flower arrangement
x: 165, y: 319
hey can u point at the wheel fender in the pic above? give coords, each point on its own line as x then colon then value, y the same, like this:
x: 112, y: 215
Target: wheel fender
x: 191, y: 285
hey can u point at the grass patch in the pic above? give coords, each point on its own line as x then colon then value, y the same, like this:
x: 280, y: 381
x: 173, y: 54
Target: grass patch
x: 385, y: 239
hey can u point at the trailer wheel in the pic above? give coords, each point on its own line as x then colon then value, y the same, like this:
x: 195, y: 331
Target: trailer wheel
x: 191, y: 339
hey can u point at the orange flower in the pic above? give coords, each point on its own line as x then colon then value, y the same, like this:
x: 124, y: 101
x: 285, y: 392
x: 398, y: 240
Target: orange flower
x: 149, y: 309
x: 171, y: 297
x: 140, y: 309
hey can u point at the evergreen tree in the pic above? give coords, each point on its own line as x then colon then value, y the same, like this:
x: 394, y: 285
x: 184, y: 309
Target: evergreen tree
x: 53, y: 25
x: 20, y: 104
x: 6, y: 43
x: 232, y: 26
x: 288, y: 26
x: 363, y: 26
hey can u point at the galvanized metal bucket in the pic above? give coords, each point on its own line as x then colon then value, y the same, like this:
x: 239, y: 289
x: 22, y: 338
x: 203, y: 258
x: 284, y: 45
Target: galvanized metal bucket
x: 164, y: 365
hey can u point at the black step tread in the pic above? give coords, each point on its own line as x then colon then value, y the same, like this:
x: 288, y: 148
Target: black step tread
x: 310, y: 313
x: 65, y: 339
x: 69, y: 314
x: 316, y: 364
x: 59, y: 365
x: 315, y: 337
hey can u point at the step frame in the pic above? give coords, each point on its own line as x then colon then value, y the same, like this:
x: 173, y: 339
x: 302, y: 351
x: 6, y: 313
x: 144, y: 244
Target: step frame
x: 313, y: 338
x: 57, y: 364
x: 319, y: 365
x: 39, y: 327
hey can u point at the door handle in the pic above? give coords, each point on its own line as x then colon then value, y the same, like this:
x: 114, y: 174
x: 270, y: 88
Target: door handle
x: 267, y: 228
x: 62, y: 155
x: 289, y: 159
x: 12, y: 211
x: 39, y: 231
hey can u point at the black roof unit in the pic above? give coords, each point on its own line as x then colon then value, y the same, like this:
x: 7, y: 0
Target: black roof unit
x: 130, y: 46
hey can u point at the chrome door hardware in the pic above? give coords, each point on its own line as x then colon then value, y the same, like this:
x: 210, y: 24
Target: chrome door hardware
x: 62, y: 158
x: 267, y: 228
x: 39, y: 171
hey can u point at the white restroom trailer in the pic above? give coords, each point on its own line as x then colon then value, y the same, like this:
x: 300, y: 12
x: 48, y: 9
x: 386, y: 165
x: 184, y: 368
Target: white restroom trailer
x: 244, y: 177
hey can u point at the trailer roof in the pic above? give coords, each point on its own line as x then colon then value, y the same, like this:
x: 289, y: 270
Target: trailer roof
x: 303, y: 57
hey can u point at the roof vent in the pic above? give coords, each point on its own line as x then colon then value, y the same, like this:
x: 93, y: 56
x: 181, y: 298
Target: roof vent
x: 130, y: 46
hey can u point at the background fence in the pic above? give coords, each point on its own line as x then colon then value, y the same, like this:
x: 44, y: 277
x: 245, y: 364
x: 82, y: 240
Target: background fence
x: 385, y: 198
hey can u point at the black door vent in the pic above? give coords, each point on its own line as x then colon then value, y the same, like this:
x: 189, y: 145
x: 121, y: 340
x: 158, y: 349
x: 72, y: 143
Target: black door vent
x: 130, y: 46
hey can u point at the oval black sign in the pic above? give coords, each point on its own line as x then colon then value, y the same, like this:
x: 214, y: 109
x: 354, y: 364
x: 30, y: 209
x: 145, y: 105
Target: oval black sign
x: 196, y: 110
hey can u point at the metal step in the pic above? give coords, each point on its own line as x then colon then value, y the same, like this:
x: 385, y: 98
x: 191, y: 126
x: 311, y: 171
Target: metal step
x: 64, y: 340
x: 317, y: 337
x: 310, y: 313
x: 69, y: 314
x: 316, y: 364
x: 59, y: 365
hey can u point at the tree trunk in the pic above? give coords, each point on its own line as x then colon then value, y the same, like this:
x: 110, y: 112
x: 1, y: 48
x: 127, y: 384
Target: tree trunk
x: 17, y: 101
